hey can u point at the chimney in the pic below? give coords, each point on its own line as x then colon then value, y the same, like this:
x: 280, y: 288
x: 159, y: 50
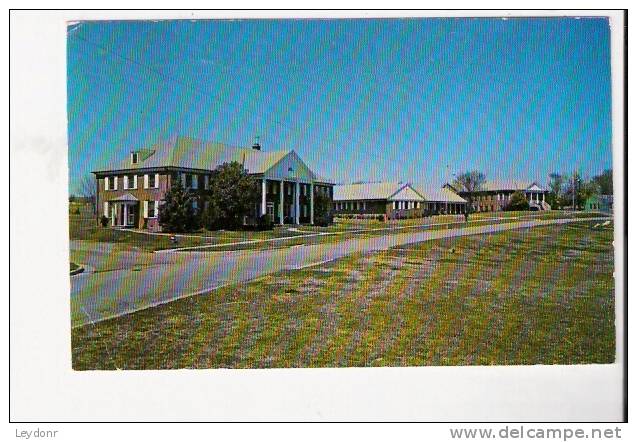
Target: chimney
x: 256, y: 145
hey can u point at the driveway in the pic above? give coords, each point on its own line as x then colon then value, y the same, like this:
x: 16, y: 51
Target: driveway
x: 119, y: 282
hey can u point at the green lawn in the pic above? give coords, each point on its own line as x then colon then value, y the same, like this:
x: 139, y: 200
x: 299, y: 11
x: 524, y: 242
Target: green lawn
x: 84, y: 227
x: 539, y: 296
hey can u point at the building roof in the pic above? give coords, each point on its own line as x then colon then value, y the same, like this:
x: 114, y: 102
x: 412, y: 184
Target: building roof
x: 190, y: 153
x: 439, y: 194
x: 367, y: 191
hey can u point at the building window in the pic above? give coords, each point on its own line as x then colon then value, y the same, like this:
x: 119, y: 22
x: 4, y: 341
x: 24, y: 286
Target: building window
x: 134, y: 157
x: 194, y: 181
x: 130, y: 181
x: 152, y: 209
x: 106, y: 183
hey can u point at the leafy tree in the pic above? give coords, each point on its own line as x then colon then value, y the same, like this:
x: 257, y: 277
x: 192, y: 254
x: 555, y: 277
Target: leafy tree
x: 470, y: 183
x: 581, y: 188
x: 232, y: 195
x: 322, y: 209
x: 177, y: 215
x: 517, y: 202
x: 604, y: 182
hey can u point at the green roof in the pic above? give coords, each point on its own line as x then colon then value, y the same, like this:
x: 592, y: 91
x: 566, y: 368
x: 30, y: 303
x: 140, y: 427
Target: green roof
x: 190, y: 153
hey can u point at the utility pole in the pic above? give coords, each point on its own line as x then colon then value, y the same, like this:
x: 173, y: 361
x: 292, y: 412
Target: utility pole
x: 574, y: 190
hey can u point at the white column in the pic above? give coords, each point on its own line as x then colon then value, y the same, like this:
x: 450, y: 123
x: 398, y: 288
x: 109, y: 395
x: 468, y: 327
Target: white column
x: 296, y: 203
x: 264, y: 188
x: 125, y: 214
x: 312, y: 203
x: 281, y: 198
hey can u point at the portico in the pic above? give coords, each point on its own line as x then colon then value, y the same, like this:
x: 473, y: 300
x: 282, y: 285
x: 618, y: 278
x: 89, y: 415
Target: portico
x: 122, y: 211
x: 288, y: 191
x: 288, y: 201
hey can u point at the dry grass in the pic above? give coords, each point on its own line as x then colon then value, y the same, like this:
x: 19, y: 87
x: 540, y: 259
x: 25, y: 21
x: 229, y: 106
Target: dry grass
x: 538, y: 296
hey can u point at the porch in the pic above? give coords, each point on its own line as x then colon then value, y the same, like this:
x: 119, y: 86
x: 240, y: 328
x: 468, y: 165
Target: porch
x: 287, y: 202
x: 123, y: 211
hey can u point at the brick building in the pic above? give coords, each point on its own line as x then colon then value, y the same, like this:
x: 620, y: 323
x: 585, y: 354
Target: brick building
x: 441, y: 200
x: 395, y: 200
x: 495, y: 195
x: 130, y: 191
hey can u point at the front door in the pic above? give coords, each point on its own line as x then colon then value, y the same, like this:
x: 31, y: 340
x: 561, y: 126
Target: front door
x: 131, y: 215
x: 270, y: 211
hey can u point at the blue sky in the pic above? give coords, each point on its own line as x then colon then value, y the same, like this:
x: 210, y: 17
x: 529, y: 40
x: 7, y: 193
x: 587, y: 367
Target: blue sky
x: 403, y: 100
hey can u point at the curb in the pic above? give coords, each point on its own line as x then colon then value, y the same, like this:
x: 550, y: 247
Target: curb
x: 79, y: 270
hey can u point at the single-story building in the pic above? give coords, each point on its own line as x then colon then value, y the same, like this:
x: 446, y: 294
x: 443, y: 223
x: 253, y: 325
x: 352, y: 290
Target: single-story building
x: 131, y: 189
x: 441, y: 200
x: 389, y: 199
x: 599, y: 203
x: 495, y: 195
x: 395, y: 200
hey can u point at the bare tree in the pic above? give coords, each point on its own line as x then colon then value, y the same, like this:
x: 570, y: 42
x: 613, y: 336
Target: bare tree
x: 556, y: 184
x: 469, y: 183
x: 87, y: 190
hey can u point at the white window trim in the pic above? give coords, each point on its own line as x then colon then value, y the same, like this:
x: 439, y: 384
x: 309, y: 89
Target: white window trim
x: 156, y: 181
x: 106, y: 209
x: 106, y: 182
x: 147, y: 211
x: 135, y: 181
x: 146, y: 181
x: 125, y: 182
x: 115, y: 180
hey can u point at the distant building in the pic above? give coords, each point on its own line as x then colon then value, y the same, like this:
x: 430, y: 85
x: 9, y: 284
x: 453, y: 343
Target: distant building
x: 495, y: 195
x: 395, y: 200
x: 438, y: 200
x: 599, y: 203
x: 131, y: 190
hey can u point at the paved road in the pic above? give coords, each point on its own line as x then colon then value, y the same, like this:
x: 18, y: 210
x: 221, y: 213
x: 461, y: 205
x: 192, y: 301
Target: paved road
x: 119, y: 282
